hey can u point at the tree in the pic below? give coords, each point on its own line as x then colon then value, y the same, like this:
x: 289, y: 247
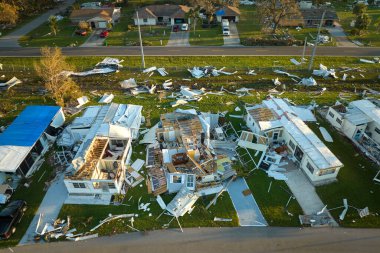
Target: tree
x: 50, y: 69
x: 362, y: 22
x: 359, y: 9
x: 194, y: 15
x: 209, y: 6
x: 319, y: 2
x: 272, y: 12
x: 53, y: 24
x: 83, y: 25
x: 9, y: 14
x: 377, y: 25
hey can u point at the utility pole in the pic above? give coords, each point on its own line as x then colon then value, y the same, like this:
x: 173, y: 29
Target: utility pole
x: 304, y: 49
x: 141, y: 45
x: 316, y: 41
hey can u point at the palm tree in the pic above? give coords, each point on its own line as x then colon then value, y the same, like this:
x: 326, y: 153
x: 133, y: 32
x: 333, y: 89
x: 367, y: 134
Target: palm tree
x: 194, y: 15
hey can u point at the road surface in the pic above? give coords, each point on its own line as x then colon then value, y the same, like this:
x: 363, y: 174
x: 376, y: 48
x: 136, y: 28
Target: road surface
x: 241, y: 239
x: 198, y: 51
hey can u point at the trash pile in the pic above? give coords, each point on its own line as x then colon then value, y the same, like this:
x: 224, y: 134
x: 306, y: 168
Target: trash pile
x: 207, y: 71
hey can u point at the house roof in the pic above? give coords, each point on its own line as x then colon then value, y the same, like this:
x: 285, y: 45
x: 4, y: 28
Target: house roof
x: 85, y: 14
x: 262, y: 114
x: 27, y: 128
x: 228, y: 11
x: 316, y: 14
x: 19, y: 138
x: 163, y: 10
x: 371, y: 110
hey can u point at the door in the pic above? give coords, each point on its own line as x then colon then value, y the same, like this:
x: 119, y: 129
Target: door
x: 275, y: 136
x: 93, y: 24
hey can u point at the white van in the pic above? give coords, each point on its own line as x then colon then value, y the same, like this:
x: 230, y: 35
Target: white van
x: 225, y: 23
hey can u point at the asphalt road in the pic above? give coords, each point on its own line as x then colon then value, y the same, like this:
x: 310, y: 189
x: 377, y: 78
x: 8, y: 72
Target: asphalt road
x: 241, y: 239
x: 198, y: 51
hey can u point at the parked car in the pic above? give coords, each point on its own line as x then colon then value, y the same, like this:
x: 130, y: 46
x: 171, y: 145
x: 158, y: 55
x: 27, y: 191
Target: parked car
x: 10, y: 216
x: 226, y: 31
x: 104, y: 34
x: 184, y: 27
x: 175, y: 28
x: 81, y: 32
x: 5, y: 193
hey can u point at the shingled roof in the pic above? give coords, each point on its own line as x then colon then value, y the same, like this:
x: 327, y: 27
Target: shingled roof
x: 85, y: 14
x: 164, y: 10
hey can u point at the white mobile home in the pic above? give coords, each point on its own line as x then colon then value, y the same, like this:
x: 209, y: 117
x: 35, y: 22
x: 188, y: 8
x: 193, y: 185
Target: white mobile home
x: 26, y: 140
x: 283, y: 126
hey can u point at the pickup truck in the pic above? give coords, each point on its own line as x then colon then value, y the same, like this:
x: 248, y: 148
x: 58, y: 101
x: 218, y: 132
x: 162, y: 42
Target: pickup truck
x: 10, y: 216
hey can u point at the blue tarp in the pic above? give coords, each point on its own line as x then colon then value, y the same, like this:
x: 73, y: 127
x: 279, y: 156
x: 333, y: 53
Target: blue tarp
x: 220, y: 12
x: 27, y: 128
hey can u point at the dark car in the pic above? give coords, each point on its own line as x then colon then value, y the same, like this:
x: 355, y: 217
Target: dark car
x: 104, y: 34
x: 81, y: 32
x: 10, y: 216
x: 175, y: 28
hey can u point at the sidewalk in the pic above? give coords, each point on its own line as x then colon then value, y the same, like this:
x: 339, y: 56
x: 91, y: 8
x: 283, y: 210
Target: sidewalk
x: 11, y: 40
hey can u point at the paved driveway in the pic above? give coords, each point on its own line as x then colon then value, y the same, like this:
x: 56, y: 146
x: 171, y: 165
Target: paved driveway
x: 11, y: 40
x: 49, y: 207
x: 94, y: 40
x: 179, y: 39
x: 338, y: 33
x: 246, y: 207
x: 233, y: 39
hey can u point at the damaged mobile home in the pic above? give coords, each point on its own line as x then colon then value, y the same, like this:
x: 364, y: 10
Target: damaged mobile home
x: 27, y: 139
x: 182, y: 160
x: 360, y: 122
x: 289, y: 138
x: 101, y: 165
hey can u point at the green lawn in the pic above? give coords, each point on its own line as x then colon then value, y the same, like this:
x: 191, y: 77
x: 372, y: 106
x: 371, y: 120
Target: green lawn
x: 249, y: 24
x: 206, y: 36
x: 368, y: 38
x: 33, y: 195
x: 354, y: 181
x: 41, y: 36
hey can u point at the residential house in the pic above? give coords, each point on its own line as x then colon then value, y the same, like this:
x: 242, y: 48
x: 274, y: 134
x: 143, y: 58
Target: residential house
x: 311, y: 17
x: 97, y: 18
x: 100, y: 168
x: 360, y: 122
x: 184, y: 157
x: 228, y: 12
x: 26, y: 140
x: 282, y: 126
x: 165, y: 14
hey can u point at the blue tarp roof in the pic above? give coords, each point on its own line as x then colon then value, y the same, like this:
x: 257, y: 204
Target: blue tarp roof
x: 220, y: 12
x: 27, y: 128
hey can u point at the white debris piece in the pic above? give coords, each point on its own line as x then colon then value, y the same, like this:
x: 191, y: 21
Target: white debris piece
x: 285, y: 73
x: 221, y: 219
x: 276, y: 81
x: 324, y: 72
x: 251, y: 72
x: 128, y: 84
x: 12, y: 82
x: 162, y: 71
x: 323, y: 39
x: 196, y: 72
x: 179, y: 102
x: 138, y: 164
x: 82, y: 100
x: 277, y: 175
x: 326, y: 134
x: 161, y: 202
x: 148, y: 70
x: 106, y: 99
x: 367, y: 61
x: 344, y: 77
x: 237, y: 109
x: 167, y: 85
x: 308, y: 81
x: 295, y: 62
x: 152, y: 89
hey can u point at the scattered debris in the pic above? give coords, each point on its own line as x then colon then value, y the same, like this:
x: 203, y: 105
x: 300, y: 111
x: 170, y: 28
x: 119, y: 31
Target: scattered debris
x: 82, y: 100
x: 222, y: 219
x: 295, y: 62
x: 107, y: 98
x: 9, y: 84
x: 324, y: 72
x: 128, y: 84
x: 308, y: 81
x: 325, y: 134
x: 374, y: 61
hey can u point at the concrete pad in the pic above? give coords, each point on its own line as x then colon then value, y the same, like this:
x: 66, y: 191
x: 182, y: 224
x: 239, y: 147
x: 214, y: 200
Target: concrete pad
x: 94, y: 40
x: 340, y: 36
x: 49, y: 207
x: 246, y: 207
x: 304, y: 192
x: 233, y: 39
x: 179, y: 39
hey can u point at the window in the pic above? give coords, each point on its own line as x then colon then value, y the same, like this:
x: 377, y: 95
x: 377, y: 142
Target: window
x: 145, y: 20
x: 190, y: 181
x: 291, y: 145
x: 79, y: 185
x: 177, y: 179
x: 298, y: 153
x: 377, y: 130
x: 339, y: 121
x: 111, y: 186
x: 310, y: 168
x: 331, y: 114
x: 326, y: 172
